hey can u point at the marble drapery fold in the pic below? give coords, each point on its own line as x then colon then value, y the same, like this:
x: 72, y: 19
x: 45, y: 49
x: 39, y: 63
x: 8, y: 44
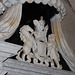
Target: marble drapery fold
x: 62, y: 44
x: 10, y: 21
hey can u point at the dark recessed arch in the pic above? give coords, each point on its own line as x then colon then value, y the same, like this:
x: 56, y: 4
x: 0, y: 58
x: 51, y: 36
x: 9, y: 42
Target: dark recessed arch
x: 31, y: 12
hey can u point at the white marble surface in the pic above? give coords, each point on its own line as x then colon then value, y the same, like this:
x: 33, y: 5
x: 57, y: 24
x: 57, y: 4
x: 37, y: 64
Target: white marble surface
x: 7, y: 50
x: 56, y: 3
x: 2, y: 8
x: 15, y: 67
x: 2, y: 72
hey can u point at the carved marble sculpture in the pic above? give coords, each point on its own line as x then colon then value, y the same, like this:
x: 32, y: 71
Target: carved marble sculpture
x: 42, y: 50
x: 53, y: 50
x: 10, y: 21
x: 40, y: 37
x: 28, y: 39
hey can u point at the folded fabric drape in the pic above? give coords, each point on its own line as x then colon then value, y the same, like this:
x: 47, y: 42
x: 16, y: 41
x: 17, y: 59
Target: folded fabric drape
x: 64, y: 48
x: 10, y: 21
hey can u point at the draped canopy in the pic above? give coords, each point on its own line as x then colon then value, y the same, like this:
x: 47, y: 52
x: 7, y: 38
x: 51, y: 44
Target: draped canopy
x: 64, y: 30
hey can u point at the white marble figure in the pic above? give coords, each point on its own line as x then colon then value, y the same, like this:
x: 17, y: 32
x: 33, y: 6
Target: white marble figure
x: 41, y: 39
x: 40, y: 35
x: 53, y: 51
x: 26, y: 36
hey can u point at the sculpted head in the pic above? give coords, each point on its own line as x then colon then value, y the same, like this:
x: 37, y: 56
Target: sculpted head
x: 26, y: 28
x: 36, y: 22
x: 41, y: 21
x: 39, y: 25
x: 24, y: 32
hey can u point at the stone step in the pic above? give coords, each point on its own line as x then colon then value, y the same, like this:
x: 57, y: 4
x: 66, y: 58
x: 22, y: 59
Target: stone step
x: 15, y: 67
